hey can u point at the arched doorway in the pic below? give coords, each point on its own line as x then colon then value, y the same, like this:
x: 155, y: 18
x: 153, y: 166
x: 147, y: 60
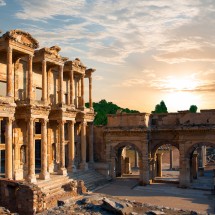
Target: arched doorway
x: 165, y: 163
x: 127, y: 161
x: 202, y: 165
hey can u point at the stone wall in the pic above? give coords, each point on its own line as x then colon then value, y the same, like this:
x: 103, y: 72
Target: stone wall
x: 21, y: 197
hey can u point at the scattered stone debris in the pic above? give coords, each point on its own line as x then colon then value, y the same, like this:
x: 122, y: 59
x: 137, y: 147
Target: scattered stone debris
x: 98, y: 204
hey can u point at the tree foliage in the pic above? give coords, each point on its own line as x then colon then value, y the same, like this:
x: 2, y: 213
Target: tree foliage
x: 193, y: 108
x: 160, y: 108
x: 103, y: 108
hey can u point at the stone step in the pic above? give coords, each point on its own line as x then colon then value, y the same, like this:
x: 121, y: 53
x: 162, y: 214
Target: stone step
x: 54, y: 183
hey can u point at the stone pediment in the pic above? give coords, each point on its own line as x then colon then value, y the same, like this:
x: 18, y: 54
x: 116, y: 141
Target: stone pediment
x: 52, y: 52
x: 21, y: 37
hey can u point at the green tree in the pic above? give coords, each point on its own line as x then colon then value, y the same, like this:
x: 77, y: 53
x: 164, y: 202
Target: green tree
x: 160, y: 108
x: 193, y: 108
x: 103, y: 108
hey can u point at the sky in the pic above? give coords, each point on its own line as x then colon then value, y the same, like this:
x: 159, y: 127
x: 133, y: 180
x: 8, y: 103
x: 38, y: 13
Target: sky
x: 144, y: 51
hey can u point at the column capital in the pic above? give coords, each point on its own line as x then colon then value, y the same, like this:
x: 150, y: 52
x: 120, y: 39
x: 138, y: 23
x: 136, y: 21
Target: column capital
x: 10, y: 119
x: 61, y: 122
x: 72, y: 122
x: 30, y: 57
x: 83, y: 122
x: 44, y: 121
x: 9, y: 49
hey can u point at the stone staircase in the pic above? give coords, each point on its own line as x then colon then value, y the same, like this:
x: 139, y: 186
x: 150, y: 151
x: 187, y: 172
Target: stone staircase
x: 53, y: 188
x: 91, y: 178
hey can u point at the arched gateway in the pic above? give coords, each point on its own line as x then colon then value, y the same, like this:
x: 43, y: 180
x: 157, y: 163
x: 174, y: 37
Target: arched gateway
x: 127, y: 130
x: 185, y: 132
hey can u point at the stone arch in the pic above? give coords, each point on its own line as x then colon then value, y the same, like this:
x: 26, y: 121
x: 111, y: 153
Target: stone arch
x: 124, y: 144
x: 192, y: 148
x: 163, y: 142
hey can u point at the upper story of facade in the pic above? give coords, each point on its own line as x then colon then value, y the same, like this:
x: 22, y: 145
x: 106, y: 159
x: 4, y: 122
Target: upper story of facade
x: 29, y: 75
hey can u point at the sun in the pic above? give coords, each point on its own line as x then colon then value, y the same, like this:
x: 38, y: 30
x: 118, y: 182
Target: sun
x: 181, y: 93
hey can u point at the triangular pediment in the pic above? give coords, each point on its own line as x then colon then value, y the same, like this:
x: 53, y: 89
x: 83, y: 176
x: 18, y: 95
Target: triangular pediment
x: 21, y: 37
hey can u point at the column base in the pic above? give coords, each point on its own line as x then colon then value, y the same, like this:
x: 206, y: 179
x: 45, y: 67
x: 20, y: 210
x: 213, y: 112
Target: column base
x: 62, y: 171
x: 44, y: 176
x: 31, y: 178
x: 83, y: 166
x: 71, y: 168
x: 18, y: 175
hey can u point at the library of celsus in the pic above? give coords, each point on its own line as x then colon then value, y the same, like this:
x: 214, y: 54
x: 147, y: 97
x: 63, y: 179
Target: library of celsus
x: 42, y: 110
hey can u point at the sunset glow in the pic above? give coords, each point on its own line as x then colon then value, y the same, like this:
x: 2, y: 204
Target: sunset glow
x: 144, y: 53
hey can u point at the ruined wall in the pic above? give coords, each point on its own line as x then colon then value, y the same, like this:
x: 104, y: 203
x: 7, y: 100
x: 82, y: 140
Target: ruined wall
x: 22, y: 197
x: 128, y: 120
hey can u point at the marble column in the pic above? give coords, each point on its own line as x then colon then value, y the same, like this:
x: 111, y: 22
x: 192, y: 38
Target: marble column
x: 136, y: 158
x: 170, y: 158
x: 62, y: 170
x: 203, y: 155
x: 60, y: 85
x: 159, y: 164
x: 82, y: 91
x: 83, y: 164
x: 91, y: 158
x: 90, y: 92
x: 71, y: 88
x: 31, y: 152
x: 44, y: 161
x: 9, y: 72
x: 9, y: 150
x: 30, y: 77
x: 44, y: 81
x: 71, y: 166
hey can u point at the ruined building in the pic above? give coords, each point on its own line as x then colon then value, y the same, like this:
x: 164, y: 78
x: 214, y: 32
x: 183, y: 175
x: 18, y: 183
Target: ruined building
x: 42, y: 110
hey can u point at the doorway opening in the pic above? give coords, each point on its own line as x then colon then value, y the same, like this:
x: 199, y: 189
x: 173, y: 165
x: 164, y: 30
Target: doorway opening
x: 37, y: 156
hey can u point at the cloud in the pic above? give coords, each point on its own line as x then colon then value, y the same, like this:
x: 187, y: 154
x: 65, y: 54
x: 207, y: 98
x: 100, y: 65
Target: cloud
x: 133, y: 82
x: 98, y: 77
x: 2, y: 3
x: 194, y: 49
x: 109, y: 30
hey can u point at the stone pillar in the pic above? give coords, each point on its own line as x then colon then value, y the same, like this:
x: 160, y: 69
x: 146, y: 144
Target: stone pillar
x: 71, y: 88
x: 71, y: 166
x: 203, y: 155
x: 44, y: 81
x: 9, y: 72
x: 31, y: 152
x: 82, y: 92
x: 91, y: 158
x: 195, y: 166
x: 44, y: 161
x: 62, y: 170
x: 136, y: 158
x: 171, y: 158
x: 9, y: 149
x: 60, y: 85
x: 184, y: 176
x: 83, y: 164
x: 0, y: 161
x: 159, y: 164
x: 30, y: 77
x: 90, y: 92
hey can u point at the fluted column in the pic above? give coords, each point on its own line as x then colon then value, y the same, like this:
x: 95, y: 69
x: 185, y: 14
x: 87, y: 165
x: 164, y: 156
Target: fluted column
x: 83, y: 164
x: 71, y: 167
x: 90, y: 92
x: 91, y: 158
x: 9, y: 72
x: 62, y: 169
x: 82, y: 91
x: 71, y: 88
x: 44, y: 81
x: 9, y: 150
x: 60, y: 85
x: 44, y: 173
x: 30, y: 77
x: 31, y: 152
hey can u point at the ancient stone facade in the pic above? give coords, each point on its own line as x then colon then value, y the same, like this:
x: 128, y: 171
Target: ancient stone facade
x: 45, y: 126
x: 146, y: 134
